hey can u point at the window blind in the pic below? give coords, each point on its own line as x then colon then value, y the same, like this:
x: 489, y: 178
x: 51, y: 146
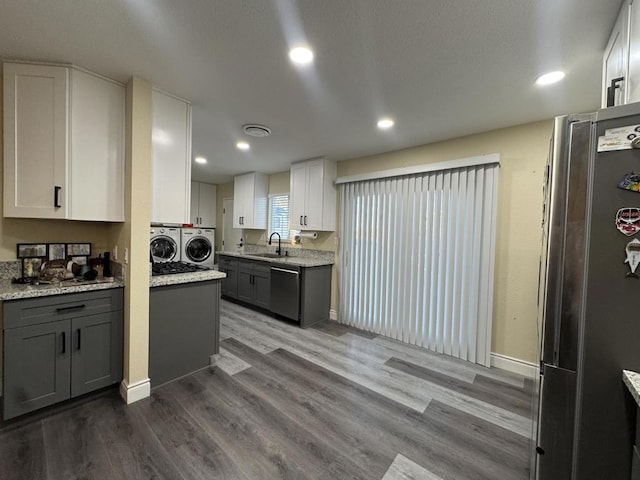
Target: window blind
x: 279, y: 215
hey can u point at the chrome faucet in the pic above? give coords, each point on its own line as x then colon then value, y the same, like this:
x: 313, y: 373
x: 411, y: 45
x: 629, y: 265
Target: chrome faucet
x: 279, y: 250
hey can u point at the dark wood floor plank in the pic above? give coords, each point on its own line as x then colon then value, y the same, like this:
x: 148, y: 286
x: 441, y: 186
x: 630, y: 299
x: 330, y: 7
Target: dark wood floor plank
x: 486, y: 389
x: 22, y: 453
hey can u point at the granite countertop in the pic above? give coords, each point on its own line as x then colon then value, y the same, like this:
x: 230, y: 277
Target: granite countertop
x: 164, y: 280
x: 292, y: 260
x: 11, y: 291
x: 632, y: 381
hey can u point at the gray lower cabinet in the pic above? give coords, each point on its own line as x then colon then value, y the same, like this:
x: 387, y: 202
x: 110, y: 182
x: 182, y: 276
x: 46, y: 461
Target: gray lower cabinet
x: 635, y: 460
x: 254, y: 283
x: 229, y: 285
x: 60, y: 347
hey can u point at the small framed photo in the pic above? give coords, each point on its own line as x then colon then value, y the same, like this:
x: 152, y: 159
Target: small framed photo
x: 76, y: 249
x: 81, y: 260
x: 57, y: 251
x: 31, y: 266
x: 29, y: 250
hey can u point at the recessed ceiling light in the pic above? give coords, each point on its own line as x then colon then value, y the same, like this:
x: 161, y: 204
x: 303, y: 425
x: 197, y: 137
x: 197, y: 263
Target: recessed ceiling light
x: 301, y: 55
x: 385, y: 123
x: 549, y: 78
x: 201, y: 160
x: 243, y: 145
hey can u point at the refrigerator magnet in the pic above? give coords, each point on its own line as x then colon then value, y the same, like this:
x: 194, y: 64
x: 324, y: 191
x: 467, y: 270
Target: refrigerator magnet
x: 628, y: 220
x: 631, y: 182
x: 633, y: 256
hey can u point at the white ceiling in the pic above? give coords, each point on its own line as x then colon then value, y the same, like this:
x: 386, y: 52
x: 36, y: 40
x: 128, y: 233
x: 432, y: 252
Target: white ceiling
x: 442, y: 68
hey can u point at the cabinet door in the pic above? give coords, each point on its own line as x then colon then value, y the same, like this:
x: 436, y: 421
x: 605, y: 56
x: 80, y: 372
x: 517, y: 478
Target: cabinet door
x: 194, y: 215
x: 230, y: 283
x: 245, y: 284
x: 262, y: 289
x: 96, y: 359
x: 207, y: 205
x: 96, y: 155
x: 36, y: 367
x: 239, y: 195
x: 171, y: 147
x: 314, y: 196
x: 633, y: 85
x: 35, y: 141
x: 297, y: 196
x: 616, y: 58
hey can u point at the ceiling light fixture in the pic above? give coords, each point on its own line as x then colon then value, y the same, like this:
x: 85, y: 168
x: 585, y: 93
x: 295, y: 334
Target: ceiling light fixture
x: 255, y: 130
x: 243, y: 145
x: 301, y: 55
x: 385, y: 123
x: 201, y: 160
x: 549, y: 78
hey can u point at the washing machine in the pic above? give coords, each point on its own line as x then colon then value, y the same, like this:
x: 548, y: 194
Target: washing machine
x: 165, y: 244
x: 198, y: 246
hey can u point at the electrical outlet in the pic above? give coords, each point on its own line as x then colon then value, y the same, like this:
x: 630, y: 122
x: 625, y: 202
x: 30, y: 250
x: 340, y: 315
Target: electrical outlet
x: 126, y: 255
x: 115, y: 252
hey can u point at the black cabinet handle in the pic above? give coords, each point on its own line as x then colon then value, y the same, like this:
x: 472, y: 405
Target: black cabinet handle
x: 305, y: 219
x: 70, y: 309
x: 301, y: 220
x: 56, y: 194
x: 64, y: 342
x: 611, y: 91
x: 79, y: 331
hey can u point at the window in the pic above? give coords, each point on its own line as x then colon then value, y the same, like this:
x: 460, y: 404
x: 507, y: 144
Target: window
x: 279, y: 215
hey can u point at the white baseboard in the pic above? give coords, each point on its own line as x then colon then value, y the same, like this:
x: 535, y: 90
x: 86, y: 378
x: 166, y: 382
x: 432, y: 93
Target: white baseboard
x: 333, y: 314
x: 514, y: 365
x: 136, y: 391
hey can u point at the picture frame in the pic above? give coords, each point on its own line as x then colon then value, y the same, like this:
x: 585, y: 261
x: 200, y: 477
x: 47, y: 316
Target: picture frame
x: 78, y: 249
x: 31, y: 266
x: 31, y: 250
x: 57, y: 251
x: 80, y: 260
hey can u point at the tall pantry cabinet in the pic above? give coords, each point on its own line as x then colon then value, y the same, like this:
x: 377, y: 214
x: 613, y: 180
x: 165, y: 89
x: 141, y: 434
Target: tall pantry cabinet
x: 63, y: 143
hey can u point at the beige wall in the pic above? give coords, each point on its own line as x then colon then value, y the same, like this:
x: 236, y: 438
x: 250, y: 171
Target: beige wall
x: 133, y: 234
x: 523, y: 150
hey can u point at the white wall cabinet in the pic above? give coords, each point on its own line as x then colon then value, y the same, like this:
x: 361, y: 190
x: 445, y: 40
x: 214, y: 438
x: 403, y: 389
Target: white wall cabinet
x: 622, y: 57
x: 171, y: 152
x: 250, y: 200
x: 203, y: 205
x: 312, y: 195
x: 63, y: 144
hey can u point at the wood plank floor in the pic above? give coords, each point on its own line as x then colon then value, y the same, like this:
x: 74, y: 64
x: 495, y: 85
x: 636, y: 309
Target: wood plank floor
x: 324, y: 403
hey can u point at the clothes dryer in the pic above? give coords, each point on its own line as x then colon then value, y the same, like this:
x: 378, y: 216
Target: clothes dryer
x: 165, y: 244
x: 198, y: 246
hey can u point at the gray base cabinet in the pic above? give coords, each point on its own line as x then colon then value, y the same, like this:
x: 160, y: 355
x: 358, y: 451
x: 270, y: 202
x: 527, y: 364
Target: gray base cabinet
x: 60, y: 347
x: 229, y: 285
x: 254, y: 283
x: 184, y: 322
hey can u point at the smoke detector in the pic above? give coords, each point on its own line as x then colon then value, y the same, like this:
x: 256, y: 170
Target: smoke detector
x: 254, y: 130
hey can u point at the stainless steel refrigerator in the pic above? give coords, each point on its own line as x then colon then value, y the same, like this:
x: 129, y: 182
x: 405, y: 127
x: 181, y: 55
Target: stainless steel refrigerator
x: 589, y: 298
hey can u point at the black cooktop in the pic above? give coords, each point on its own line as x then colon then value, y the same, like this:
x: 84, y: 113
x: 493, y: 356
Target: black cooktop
x: 169, y: 268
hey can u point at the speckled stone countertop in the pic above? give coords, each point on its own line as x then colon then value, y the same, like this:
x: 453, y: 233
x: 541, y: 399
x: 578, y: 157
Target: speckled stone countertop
x: 10, y: 291
x: 291, y: 260
x: 632, y: 381
x: 164, y: 280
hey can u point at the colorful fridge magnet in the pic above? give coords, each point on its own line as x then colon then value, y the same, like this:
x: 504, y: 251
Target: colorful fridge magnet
x: 631, y: 182
x: 633, y: 256
x: 628, y: 220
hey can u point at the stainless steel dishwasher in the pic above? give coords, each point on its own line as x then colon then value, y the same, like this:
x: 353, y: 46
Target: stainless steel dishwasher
x: 285, y: 292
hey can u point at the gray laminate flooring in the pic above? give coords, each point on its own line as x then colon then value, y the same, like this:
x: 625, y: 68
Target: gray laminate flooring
x: 328, y: 402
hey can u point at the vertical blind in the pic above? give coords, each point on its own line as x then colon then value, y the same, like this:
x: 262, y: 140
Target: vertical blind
x: 416, y: 258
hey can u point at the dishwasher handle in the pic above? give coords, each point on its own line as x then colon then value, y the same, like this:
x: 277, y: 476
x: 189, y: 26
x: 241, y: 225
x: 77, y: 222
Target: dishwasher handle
x: 291, y: 272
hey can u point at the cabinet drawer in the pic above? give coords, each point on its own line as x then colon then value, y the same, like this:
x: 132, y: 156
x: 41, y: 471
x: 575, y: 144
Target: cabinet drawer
x: 20, y: 313
x: 254, y: 266
x: 227, y: 262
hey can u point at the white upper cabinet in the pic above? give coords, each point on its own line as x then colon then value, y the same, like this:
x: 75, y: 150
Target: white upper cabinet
x: 621, y: 62
x: 203, y: 205
x: 171, y: 144
x: 250, y: 200
x: 63, y: 144
x: 312, y: 195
